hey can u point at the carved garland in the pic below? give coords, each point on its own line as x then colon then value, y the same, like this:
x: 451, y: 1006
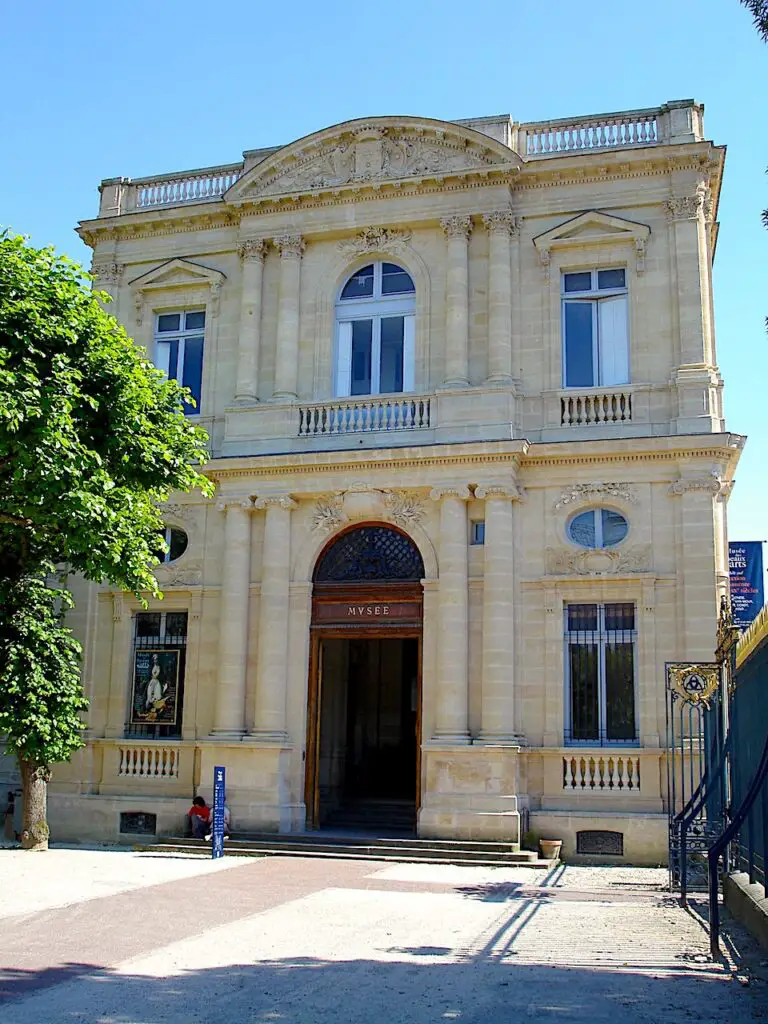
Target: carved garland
x: 374, y: 240
x: 589, y: 492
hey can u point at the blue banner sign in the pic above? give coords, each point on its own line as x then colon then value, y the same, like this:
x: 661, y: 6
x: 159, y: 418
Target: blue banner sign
x: 745, y: 566
x: 219, y: 778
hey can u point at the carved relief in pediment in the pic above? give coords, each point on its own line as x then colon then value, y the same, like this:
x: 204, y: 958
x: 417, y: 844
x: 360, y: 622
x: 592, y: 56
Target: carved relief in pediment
x: 367, y: 155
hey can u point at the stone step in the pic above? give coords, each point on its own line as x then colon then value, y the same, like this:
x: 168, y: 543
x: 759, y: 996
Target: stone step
x: 377, y: 850
x: 344, y: 837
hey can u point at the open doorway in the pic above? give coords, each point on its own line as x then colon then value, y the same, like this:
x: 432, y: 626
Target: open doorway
x: 368, y: 733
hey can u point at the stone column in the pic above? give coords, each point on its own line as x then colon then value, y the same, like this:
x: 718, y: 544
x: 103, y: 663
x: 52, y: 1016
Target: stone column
x: 274, y: 615
x: 497, y: 722
x: 500, y: 225
x: 452, y: 691
x: 686, y: 217
x: 252, y: 255
x: 229, y: 718
x: 457, y: 230
x: 291, y: 249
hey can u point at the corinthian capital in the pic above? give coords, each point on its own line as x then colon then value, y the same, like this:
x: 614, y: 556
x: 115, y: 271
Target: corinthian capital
x: 501, y: 222
x: 685, y: 207
x: 253, y: 249
x: 456, y: 226
x: 290, y: 246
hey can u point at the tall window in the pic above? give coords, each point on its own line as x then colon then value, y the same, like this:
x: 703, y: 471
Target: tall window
x: 375, y: 332
x: 157, y: 685
x: 600, y: 673
x: 179, y: 350
x: 595, y: 329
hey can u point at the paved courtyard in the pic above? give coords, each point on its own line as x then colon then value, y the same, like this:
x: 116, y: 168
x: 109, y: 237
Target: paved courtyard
x: 115, y: 937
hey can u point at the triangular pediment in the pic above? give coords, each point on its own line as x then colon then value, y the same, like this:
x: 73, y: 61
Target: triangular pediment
x: 371, y: 152
x: 177, y: 273
x: 592, y: 228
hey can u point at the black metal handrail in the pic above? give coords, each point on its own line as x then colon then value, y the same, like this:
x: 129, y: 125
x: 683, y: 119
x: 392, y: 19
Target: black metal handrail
x: 738, y: 817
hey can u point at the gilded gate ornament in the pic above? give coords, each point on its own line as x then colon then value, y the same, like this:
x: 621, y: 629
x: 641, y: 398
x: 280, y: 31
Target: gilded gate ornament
x: 693, y: 683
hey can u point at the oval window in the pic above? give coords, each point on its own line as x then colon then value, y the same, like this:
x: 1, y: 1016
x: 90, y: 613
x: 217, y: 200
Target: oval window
x: 598, y: 528
x: 177, y: 542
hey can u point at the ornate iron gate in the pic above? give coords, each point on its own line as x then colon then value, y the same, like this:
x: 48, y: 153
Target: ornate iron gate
x: 699, y: 758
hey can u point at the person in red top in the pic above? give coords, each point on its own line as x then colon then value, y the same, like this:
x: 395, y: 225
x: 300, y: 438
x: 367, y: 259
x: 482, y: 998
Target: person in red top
x: 199, y: 815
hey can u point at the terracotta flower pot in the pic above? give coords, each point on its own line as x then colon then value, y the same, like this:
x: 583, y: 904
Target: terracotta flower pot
x: 550, y: 848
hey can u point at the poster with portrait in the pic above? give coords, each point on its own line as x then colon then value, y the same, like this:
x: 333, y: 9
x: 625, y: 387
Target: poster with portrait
x: 155, y: 687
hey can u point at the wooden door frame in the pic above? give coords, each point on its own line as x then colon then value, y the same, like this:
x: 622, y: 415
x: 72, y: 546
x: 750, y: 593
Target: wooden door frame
x: 314, y: 702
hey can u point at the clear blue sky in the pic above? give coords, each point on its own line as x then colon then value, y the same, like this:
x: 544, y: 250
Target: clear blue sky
x: 92, y: 90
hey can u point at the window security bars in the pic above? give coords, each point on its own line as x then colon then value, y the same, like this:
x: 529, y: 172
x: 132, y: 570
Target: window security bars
x: 166, y: 631
x: 600, y: 643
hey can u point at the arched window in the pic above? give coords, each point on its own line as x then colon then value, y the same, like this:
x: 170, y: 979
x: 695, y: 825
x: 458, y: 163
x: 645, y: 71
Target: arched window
x: 375, y: 331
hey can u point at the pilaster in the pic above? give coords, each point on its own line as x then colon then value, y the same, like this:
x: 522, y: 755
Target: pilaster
x: 291, y: 248
x: 274, y: 615
x: 501, y: 225
x: 252, y: 253
x: 457, y: 230
x: 452, y: 710
x: 229, y: 718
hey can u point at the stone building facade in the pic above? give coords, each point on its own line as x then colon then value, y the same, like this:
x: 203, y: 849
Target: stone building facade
x: 472, y: 470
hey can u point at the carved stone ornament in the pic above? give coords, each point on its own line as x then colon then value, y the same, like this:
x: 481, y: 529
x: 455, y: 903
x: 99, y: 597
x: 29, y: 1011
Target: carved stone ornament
x: 460, y: 491
x: 186, y: 514
x: 501, y: 222
x: 712, y: 484
x: 374, y: 240
x: 509, y: 492
x: 290, y: 246
x: 590, y: 492
x: 405, y: 507
x: 687, y: 207
x: 117, y: 607
x: 457, y: 226
x: 328, y: 513
x: 276, y: 500
x: 253, y: 249
x: 565, y: 561
x: 545, y: 258
x: 371, y: 154
x: 170, y: 575
x: 107, y: 273
x: 640, y: 255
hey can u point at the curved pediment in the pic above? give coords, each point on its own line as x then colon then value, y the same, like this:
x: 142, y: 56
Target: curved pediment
x: 369, y: 152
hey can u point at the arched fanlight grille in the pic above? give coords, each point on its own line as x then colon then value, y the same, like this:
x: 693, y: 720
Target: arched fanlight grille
x: 370, y: 553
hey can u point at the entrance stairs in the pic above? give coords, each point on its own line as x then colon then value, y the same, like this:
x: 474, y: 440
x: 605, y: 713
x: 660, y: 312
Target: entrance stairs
x: 347, y: 845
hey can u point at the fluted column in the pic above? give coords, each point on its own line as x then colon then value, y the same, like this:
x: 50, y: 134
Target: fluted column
x: 497, y: 720
x: 274, y: 608
x: 457, y: 230
x: 452, y: 712
x: 229, y: 718
x: 252, y: 255
x: 291, y: 248
x: 500, y: 224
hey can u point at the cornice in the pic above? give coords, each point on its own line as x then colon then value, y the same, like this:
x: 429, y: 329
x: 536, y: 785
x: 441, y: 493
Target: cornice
x: 521, y: 454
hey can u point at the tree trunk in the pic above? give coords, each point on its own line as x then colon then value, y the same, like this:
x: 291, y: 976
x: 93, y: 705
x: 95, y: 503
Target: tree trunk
x: 34, y: 784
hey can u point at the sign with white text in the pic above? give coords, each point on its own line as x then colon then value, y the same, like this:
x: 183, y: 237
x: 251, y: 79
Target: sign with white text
x: 745, y: 566
x: 217, y: 830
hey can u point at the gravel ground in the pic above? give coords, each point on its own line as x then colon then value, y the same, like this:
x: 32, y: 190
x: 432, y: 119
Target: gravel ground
x: 303, y: 941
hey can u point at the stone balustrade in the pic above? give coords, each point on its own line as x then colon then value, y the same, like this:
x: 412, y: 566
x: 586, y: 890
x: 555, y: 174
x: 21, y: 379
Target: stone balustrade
x: 149, y: 761
x: 364, y: 415
x: 602, y: 773
x: 675, y: 122
x: 578, y: 409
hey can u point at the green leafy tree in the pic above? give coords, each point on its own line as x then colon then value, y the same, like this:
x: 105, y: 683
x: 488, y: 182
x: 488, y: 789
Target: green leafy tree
x: 92, y: 438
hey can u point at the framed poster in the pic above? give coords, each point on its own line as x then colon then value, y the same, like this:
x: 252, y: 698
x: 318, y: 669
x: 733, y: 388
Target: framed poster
x: 155, y: 686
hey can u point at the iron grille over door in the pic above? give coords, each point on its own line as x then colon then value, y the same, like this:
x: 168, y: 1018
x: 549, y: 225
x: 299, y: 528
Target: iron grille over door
x: 370, y: 553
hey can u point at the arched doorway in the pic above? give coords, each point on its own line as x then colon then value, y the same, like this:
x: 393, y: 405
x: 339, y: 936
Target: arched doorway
x: 364, y: 695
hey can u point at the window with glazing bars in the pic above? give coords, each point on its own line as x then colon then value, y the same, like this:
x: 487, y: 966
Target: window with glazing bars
x: 179, y: 340
x: 600, y: 642
x: 169, y: 631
